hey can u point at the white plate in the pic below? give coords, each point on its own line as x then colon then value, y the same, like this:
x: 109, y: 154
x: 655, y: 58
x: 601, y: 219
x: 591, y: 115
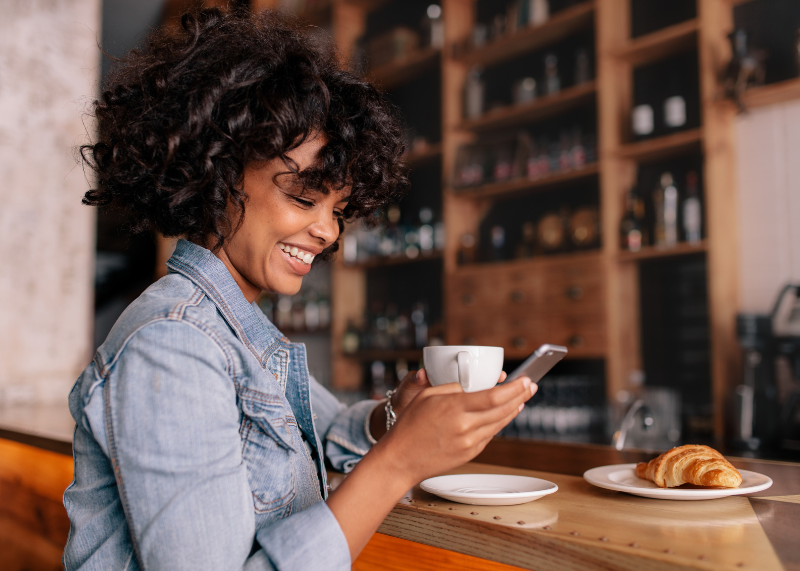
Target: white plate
x: 622, y: 478
x: 488, y: 489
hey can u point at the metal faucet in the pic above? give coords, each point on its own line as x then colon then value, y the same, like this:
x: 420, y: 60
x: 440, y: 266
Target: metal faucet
x: 629, y: 420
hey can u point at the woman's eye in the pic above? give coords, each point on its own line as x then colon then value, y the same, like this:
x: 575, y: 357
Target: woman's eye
x: 338, y: 213
x: 303, y: 202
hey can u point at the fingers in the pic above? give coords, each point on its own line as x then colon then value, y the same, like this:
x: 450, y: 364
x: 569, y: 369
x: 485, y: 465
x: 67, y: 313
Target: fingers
x: 499, y: 395
x: 420, y: 378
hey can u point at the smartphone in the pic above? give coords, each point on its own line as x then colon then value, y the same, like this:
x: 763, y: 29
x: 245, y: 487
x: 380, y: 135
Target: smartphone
x: 539, y: 362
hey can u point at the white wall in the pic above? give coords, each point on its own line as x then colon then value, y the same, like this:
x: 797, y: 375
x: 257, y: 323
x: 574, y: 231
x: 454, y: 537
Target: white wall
x: 768, y: 148
x: 49, y: 66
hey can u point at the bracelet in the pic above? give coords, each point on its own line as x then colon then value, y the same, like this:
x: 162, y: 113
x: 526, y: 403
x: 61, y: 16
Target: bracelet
x: 391, y: 417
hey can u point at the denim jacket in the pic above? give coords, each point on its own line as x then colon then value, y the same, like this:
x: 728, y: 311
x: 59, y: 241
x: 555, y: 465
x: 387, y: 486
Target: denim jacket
x: 199, y: 437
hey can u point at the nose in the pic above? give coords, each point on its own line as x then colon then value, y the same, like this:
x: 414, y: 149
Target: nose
x: 325, y: 228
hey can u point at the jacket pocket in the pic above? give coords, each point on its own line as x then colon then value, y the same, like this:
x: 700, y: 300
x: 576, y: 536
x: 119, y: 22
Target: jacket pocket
x: 267, y: 450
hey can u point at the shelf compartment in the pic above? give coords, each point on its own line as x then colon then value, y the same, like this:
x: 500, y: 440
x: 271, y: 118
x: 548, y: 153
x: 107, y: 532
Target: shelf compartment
x: 655, y: 252
x: 546, y: 106
x: 396, y: 260
x: 425, y: 155
x: 538, y: 262
x: 562, y: 25
x: 663, y: 147
x: 521, y: 185
x: 412, y: 355
x: 661, y: 44
x: 772, y: 93
x: 397, y: 72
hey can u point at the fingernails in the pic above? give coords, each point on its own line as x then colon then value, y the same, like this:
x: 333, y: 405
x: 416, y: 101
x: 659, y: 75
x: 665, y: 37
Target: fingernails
x: 521, y: 407
x: 534, y: 388
x: 526, y: 382
x: 418, y: 376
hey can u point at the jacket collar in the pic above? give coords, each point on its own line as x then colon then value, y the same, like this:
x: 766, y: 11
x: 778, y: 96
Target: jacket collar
x: 249, y: 324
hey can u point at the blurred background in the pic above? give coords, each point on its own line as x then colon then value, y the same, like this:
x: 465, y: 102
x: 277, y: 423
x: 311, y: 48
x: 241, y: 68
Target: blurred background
x: 621, y: 177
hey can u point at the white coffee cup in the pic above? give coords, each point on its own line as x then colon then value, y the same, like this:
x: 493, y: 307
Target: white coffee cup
x: 475, y: 367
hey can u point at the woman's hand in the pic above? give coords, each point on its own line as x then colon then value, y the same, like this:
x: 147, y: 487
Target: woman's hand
x: 437, y: 429
x: 413, y: 383
x: 443, y: 427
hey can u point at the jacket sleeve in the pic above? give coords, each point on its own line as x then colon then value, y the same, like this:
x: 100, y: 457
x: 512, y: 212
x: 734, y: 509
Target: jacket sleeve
x: 172, y: 428
x: 342, y: 429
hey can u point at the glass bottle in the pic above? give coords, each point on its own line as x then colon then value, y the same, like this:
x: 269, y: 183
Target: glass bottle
x: 474, y: 91
x: 350, y: 339
x: 675, y: 103
x: 631, y: 234
x: 552, y: 82
x: 665, y: 203
x: 692, y: 210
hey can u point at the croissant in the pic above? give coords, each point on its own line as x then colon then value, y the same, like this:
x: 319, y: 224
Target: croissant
x: 690, y: 464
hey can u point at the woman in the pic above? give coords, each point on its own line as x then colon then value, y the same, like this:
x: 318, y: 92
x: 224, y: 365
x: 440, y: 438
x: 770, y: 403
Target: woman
x: 200, y: 438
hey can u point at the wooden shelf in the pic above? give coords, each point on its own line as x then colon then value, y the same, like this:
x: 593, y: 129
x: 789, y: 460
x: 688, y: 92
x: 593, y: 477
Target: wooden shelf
x: 397, y: 72
x: 773, y: 93
x: 655, y: 252
x: 544, y: 107
x: 539, y: 260
x: 661, y: 44
x: 521, y: 185
x: 387, y: 355
x: 427, y: 154
x: 663, y: 147
x: 561, y: 25
x: 396, y: 260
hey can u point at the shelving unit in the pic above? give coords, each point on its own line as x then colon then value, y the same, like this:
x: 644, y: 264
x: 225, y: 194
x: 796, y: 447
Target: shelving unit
x: 615, y: 321
x: 522, y: 185
x: 660, y: 44
x: 561, y: 25
x: 652, y: 252
x: 546, y: 106
x: 392, y: 74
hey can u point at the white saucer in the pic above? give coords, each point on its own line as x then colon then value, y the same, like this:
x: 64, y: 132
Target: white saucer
x: 488, y: 489
x: 622, y: 478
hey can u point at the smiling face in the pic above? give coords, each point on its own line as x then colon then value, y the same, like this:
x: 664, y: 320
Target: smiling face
x: 283, y: 228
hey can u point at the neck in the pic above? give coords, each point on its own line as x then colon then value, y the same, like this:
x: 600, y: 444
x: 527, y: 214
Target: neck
x: 249, y: 290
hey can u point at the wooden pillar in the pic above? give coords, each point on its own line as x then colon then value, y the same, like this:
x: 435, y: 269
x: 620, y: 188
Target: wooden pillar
x: 722, y: 212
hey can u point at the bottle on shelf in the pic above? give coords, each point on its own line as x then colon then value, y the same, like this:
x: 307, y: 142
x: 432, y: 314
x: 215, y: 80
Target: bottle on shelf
x: 350, y: 339
x: 284, y: 313
x: 582, y: 66
x: 378, y: 377
x: 642, y: 116
x: 311, y: 312
x: 692, y: 211
x: 578, y: 150
x: 674, y: 103
x: 433, y: 27
x: 420, y: 322
x: 552, y: 81
x: 633, y: 234
x: 498, y: 238
x: 524, y: 90
x: 527, y: 245
x: 665, y: 205
x: 474, y: 93
x: 538, y: 10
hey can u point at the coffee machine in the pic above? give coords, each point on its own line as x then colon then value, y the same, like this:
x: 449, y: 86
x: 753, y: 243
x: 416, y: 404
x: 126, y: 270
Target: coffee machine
x: 766, y: 404
x: 786, y: 334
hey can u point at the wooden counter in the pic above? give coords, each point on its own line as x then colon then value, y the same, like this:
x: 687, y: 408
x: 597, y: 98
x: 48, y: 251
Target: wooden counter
x: 584, y: 527
x: 578, y: 527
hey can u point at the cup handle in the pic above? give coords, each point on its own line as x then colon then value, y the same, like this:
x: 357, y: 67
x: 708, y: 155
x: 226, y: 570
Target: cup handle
x: 464, y: 358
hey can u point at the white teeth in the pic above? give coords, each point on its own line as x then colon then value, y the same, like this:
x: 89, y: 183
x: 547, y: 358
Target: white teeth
x: 297, y: 253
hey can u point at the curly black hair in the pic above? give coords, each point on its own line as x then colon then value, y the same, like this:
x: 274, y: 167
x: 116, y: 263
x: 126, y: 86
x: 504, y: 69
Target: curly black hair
x: 180, y: 119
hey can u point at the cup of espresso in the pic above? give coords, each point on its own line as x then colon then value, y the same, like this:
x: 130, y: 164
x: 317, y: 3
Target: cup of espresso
x: 474, y: 367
